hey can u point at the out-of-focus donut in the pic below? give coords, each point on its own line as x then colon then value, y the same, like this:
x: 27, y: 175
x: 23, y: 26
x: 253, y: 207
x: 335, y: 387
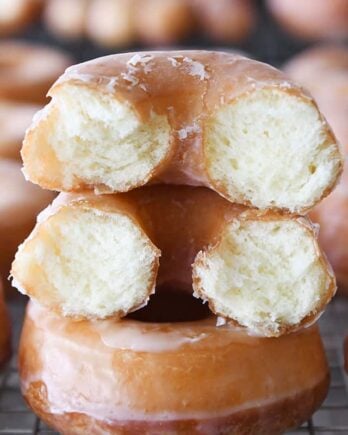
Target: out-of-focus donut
x: 16, y: 14
x: 28, y: 70
x: 20, y: 202
x: 66, y: 18
x: 15, y: 118
x: 312, y: 19
x: 111, y: 22
x: 161, y: 22
x: 226, y: 20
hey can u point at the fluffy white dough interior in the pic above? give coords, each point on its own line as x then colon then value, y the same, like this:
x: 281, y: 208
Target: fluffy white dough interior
x: 264, y: 274
x: 101, y: 140
x: 269, y: 147
x: 89, y: 263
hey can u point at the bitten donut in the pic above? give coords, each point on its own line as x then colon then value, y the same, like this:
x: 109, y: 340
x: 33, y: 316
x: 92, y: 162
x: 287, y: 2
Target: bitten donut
x: 130, y: 377
x: 5, y: 330
x: 200, y: 118
x: 329, y: 64
x: 98, y: 256
x: 20, y: 202
x: 226, y: 20
x: 312, y: 19
x: 15, y: 118
x: 16, y: 14
x: 28, y: 70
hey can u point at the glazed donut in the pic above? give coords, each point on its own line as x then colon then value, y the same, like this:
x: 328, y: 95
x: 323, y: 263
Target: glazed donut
x: 111, y: 22
x: 20, y: 202
x: 66, y: 18
x: 131, y: 377
x: 163, y: 22
x: 16, y: 14
x: 191, y: 117
x: 5, y: 330
x: 14, y: 120
x: 27, y: 70
x: 312, y: 68
x: 312, y: 19
x: 226, y: 20
x: 98, y: 256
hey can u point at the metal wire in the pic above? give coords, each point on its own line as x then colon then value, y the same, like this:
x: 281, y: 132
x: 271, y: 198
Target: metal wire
x: 331, y: 418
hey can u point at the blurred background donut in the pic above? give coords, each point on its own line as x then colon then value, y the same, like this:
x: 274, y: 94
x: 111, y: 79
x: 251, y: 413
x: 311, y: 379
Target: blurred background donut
x: 312, y: 19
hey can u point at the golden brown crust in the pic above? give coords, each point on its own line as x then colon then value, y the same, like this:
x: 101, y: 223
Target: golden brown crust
x: 41, y: 66
x: 310, y: 319
x: 222, y: 382
x: 150, y: 83
x: 267, y: 420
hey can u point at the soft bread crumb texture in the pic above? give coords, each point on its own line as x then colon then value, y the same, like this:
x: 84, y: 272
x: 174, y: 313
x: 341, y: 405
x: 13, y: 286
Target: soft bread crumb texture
x: 267, y: 275
x: 102, y: 141
x: 85, y: 263
x: 269, y: 147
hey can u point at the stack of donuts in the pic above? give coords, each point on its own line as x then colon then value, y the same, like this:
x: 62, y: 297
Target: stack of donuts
x: 117, y: 23
x: 175, y: 281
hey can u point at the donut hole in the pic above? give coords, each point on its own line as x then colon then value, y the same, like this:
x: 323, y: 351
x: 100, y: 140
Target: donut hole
x: 279, y: 143
x: 266, y: 275
x: 170, y: 304
x: 82, y: 263
x: 100, y: 141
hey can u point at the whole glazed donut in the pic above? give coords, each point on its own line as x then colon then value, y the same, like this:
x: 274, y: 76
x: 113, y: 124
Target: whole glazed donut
x: 262, y: 271
x: 16, y: 14
x: 312, y: 19
x: 216, y: 119
x: 109, y: 377
x: 5, y: 330
x: 27, y: 70
x: 20, y: 202
x: 329, y: 64
x: 15, y: 118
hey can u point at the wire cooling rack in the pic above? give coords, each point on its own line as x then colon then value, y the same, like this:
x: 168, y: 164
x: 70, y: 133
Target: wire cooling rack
x: 331, y: 418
